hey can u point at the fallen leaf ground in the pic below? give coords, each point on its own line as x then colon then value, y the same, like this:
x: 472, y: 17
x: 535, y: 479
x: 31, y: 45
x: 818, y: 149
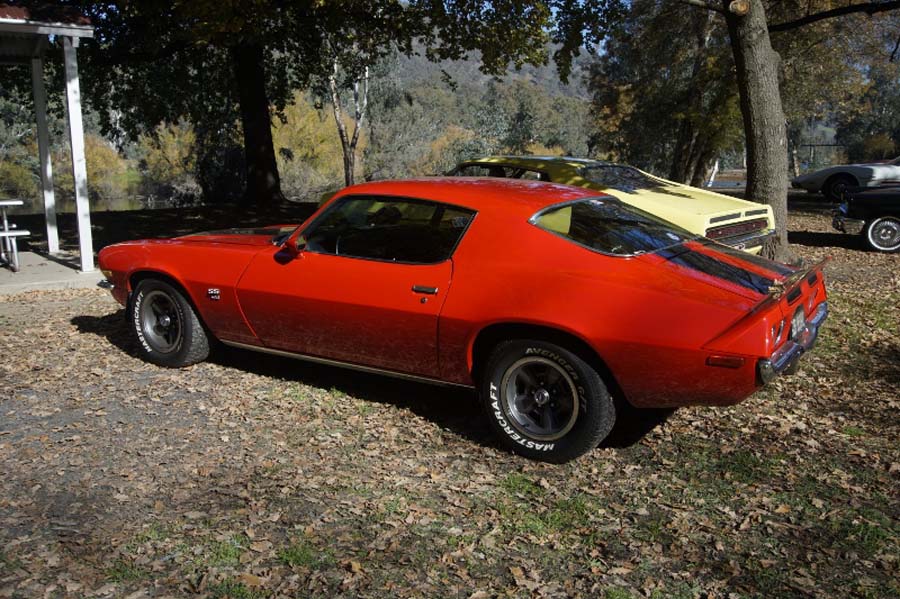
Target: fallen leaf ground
x: 252, y: 476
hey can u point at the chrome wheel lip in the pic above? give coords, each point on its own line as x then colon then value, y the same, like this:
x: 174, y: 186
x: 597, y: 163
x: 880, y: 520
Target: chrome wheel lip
x: 882, y: 226
x: 563, y: 391
x: 161, y: 322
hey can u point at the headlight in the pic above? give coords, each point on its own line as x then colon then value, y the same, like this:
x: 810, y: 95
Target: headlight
x: 798, y: 323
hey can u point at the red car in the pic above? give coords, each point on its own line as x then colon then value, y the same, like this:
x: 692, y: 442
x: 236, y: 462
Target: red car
x: 550, y: 300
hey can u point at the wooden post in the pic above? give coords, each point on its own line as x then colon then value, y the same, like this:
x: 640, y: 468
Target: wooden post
x: 40, y: 109
x: 76, y: 141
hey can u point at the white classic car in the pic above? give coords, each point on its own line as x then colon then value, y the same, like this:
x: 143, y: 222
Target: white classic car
x: 834, y: 181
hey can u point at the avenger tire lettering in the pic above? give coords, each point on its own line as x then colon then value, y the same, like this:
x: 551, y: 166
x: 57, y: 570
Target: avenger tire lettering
x: 561, y: 383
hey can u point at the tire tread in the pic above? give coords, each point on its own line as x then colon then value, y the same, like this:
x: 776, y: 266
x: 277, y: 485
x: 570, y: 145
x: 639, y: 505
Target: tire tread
x: 591, y: 432
x: 195, y: 346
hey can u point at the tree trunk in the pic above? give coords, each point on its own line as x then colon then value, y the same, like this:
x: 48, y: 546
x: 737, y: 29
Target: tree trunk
x: 263, y: 182
x: 703, y: 166
x: 764, y: 128
x: 794, y: 154
x: 680, y: 155
x: 360, y: 102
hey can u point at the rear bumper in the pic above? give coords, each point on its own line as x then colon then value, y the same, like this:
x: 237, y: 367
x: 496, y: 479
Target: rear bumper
x: 786, y: 358
x: 853, y: 226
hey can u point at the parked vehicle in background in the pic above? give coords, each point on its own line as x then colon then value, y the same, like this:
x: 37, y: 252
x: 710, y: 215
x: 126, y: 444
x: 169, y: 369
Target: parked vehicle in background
x: 835, y: 181
x: 738, y: 223
x: 551, y: 300
x: 874, y: 214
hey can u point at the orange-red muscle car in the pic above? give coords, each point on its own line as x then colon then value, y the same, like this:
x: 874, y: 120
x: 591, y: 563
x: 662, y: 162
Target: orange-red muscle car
x: 551, y: 300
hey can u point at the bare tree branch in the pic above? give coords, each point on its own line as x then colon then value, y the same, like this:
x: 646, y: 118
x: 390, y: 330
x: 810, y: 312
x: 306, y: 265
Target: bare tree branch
x: 870, y: 8
x: 704, y: 4
x: 361, y: 105
x: 894, y: 51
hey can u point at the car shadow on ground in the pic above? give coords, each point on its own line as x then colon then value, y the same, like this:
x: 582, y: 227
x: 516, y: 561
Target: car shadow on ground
x: 819, y: 239
x: 452, y: 408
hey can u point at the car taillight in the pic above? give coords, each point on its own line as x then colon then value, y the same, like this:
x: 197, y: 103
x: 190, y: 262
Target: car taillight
x: 777, y: 333
x: 743, y: 228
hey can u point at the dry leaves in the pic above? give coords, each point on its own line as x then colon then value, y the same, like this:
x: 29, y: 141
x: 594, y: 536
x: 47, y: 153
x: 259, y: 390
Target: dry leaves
x: 251, y: 476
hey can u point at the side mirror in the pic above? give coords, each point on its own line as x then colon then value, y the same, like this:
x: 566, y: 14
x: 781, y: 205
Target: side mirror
x: 290, y: 250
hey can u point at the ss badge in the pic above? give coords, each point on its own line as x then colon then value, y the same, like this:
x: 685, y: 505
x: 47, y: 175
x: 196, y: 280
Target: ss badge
x: 213, y: 294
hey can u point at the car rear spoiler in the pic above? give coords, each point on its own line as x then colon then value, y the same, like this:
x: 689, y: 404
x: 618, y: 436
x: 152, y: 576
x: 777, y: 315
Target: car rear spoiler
x: 730, y: 338
x: 791, y: 283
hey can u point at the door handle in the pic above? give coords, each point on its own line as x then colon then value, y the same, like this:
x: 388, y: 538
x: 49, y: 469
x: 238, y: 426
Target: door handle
x: 424, y: 289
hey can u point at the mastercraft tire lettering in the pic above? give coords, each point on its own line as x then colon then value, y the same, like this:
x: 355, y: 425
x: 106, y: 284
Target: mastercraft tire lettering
x: 166, y: 327
x: 545, y: 402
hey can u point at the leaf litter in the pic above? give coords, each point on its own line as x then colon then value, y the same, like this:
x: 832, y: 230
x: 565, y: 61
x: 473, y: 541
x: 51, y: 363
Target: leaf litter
x: 255, y: 476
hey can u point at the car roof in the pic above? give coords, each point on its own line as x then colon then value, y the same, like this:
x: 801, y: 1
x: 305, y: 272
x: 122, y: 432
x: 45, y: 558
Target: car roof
x: 537, y: 161
x: 510, y: 196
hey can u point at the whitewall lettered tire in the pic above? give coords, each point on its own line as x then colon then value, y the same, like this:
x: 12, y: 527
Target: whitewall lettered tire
x: 545, y: 402
x: 166, y: 327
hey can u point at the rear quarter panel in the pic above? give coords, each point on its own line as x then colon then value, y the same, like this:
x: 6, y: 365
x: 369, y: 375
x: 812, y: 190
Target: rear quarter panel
x: 646, y: 323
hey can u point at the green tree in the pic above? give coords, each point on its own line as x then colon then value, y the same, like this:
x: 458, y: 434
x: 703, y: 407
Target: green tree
x: 224, y: 62
x: 663, y: 97
x: 756, y: 74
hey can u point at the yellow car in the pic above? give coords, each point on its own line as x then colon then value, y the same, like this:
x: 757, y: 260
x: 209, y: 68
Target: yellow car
x: 738, y: 223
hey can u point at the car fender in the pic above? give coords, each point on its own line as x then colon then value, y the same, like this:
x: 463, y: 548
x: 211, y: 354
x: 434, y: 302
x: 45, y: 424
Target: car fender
x: 208, y: 274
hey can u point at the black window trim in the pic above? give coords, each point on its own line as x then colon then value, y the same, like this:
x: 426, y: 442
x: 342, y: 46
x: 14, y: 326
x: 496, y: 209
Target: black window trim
x: 355, y: 196
x: 537, y: 215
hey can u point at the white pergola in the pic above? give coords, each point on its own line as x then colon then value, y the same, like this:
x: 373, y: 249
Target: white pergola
x: 24, y: 39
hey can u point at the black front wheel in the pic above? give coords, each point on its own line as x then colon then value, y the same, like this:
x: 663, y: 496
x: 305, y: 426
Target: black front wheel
x: 545, y: 402
x: 837, y: 187
x: 883, y: 234
x: 165, y: 325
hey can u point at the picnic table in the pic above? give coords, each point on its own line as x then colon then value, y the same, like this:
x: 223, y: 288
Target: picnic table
x: 9, y: 234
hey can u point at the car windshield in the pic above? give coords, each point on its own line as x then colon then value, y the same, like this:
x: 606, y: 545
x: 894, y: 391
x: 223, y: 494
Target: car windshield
x: 610, y: 227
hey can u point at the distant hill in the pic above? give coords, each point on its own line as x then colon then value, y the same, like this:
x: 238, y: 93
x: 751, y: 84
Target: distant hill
x: 418, y: 69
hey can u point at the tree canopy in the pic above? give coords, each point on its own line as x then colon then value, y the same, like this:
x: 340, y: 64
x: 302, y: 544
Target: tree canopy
x: 222, y: 64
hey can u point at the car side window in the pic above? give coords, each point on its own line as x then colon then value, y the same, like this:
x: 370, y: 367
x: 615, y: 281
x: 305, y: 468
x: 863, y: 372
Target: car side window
x: 390, y: 229
x: 530, y: 175
x: 481, y: 170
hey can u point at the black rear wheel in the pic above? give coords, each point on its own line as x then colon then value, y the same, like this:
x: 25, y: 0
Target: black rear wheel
x: 545, y: 402
x: 166, y: 327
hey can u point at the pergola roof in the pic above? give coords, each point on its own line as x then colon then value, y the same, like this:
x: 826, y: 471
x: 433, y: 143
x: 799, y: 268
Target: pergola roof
x: 24, y: 30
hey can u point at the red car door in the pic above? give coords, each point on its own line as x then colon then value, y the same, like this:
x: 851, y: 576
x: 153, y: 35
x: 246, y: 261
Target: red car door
x: 366, y: 288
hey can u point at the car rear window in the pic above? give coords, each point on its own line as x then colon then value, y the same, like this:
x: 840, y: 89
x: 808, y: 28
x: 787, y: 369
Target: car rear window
x: 611, y: 227
x: 619, y: 176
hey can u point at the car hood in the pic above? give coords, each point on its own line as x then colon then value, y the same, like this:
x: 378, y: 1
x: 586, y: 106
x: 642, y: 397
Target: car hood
x: 241, y: 236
